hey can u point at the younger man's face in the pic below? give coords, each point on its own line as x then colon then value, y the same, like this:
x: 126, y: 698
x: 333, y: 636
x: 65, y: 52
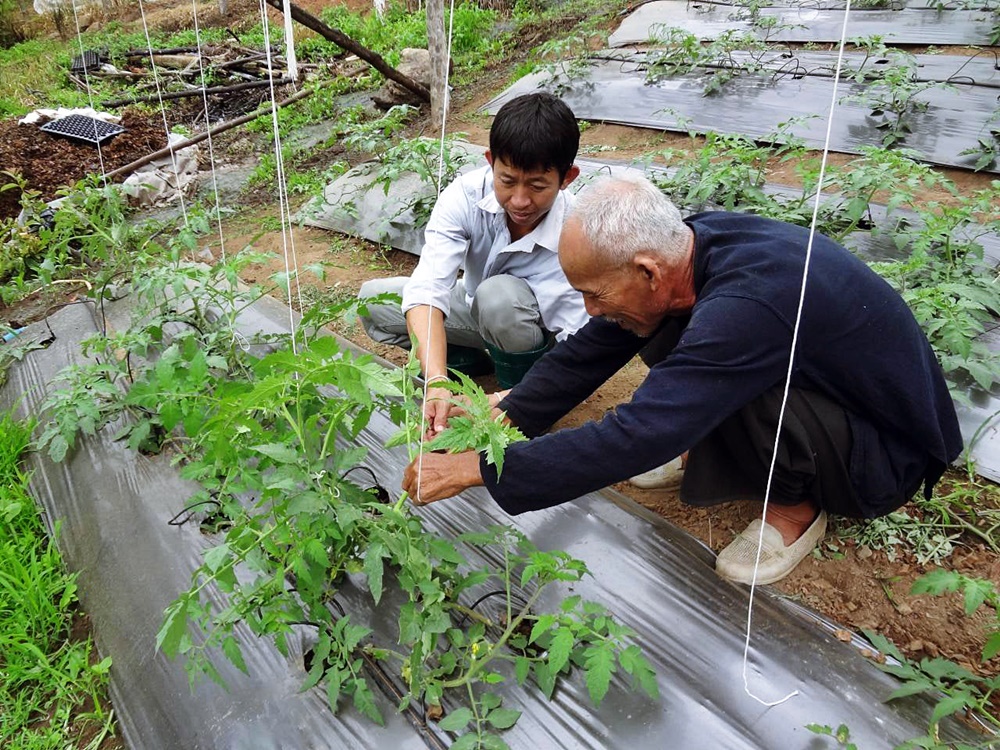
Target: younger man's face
x: 526, y: 195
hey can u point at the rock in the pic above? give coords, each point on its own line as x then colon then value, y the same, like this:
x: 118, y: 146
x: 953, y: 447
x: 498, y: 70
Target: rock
x: 415, y: 63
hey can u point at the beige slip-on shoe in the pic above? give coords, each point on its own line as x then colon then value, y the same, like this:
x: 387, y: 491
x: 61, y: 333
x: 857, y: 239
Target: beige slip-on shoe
x: 669, y: 474
x: 736, y: 562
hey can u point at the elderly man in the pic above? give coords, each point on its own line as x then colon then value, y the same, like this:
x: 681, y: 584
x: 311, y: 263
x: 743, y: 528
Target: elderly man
x: 868, y: 420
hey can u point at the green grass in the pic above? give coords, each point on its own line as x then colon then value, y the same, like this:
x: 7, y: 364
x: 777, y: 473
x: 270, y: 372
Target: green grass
x: 33, y: 75
x: 474, y: 40
x: 51, y: 686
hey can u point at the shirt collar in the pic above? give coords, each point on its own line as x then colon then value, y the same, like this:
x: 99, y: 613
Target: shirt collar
x: 546, y: 234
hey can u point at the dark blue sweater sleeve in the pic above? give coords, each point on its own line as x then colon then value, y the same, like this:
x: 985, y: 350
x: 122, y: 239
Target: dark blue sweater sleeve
x: 568, y: 374
x: 732, y: 351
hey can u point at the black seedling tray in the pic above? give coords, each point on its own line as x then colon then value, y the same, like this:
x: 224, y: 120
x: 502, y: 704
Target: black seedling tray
x: 83, y: 128
x: 87, y: 61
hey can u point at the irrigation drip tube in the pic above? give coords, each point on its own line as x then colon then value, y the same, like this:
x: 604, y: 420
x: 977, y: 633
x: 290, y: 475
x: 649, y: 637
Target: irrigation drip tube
x: 114, y: 505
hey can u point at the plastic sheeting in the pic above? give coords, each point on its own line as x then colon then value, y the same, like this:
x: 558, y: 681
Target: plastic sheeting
x: 979, y: 69
x: 614, y: 91
x: 805, y: 22
x: 113, y: 506
x: 353, y: 205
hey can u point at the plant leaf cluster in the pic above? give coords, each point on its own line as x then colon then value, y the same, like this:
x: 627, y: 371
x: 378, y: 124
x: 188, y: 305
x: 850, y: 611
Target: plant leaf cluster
x: 47, y: 678
x: 273, y: 442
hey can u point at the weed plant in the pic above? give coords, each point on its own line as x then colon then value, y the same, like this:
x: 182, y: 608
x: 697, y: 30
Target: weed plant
x: 33, y: 75
x: 931, y: 529
x: 475, y: 42
x: 47, y: 676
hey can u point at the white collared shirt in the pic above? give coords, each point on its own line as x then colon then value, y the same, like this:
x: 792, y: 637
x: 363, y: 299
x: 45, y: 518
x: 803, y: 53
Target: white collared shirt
x: 468, y: 230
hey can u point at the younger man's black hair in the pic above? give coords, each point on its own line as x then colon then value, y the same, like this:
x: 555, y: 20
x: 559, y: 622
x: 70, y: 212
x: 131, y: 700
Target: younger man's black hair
x: 535, y: 131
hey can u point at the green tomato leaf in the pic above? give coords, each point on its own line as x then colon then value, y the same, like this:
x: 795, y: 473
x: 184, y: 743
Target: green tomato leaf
x: 560, y: 648
x: 168, y: 639
x: 521, y: 669
x: 992, y: 647
x: 374, y: 569
x: 492, y: 742
x: 216, y: 557
x: 231, y: 648
x: 503, y: 718
x: 364, y: 701
x: 599, y: 664
x: 949, y: 705
x: 334, y: 679
x: 279, y: 452
x: 456, y: 720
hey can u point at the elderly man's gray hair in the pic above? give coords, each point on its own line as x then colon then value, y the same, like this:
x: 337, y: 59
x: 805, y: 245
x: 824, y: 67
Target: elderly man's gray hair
x: 623, y: 215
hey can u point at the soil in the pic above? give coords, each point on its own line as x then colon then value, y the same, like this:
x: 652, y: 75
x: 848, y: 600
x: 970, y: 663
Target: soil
x: 51, y: 162
x: 855, y: 588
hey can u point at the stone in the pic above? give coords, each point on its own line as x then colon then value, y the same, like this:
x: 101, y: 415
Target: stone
x: 415, y: 63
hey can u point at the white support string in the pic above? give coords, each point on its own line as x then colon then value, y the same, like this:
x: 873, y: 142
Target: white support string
x: 444, y: 120
x: 163, y: 112
x: 287, y: 241
x: 90, y: 93
x: 791, y: 359
x: 293, y: 67
x: 208, y: 129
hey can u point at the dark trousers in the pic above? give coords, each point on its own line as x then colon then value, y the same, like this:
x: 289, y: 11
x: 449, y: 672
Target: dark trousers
x: 732, y: 462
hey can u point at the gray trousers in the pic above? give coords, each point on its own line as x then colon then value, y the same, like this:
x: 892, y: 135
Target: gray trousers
x: 504, y: 313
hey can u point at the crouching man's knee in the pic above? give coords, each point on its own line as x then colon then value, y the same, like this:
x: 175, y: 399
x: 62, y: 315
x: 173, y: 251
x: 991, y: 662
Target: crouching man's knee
x: 384, y: 321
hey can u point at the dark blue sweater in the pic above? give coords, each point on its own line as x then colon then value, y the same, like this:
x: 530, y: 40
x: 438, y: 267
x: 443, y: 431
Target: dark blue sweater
x: 858, y: 343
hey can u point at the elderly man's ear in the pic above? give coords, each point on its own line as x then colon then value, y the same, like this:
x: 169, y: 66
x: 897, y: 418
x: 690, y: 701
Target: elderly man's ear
x: 648, y: 268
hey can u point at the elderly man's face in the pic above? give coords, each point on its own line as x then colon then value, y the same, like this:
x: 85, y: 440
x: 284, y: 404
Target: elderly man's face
x: 626, y: 295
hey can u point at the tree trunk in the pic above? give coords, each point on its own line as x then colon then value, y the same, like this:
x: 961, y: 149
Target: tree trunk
x: 223, y: 7
x: 437, y: 45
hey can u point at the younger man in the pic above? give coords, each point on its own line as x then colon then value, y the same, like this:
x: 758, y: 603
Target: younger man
x: 500, y: 225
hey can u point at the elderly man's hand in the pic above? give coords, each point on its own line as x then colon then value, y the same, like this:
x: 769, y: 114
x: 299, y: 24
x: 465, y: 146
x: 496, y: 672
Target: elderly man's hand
x: 441, y: 475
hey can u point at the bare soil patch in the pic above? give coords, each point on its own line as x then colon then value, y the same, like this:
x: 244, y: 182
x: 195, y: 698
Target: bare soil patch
x: 50, y: 162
